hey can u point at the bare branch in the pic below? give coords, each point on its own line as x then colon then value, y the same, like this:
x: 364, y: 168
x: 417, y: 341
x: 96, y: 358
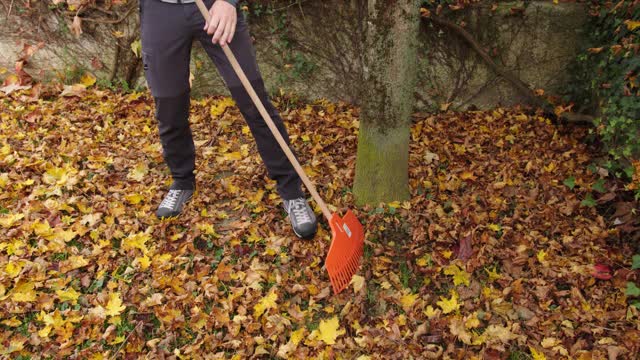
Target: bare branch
x: 504, y: 73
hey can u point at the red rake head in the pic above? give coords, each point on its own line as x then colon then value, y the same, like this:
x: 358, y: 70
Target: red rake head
x: 345, y: 252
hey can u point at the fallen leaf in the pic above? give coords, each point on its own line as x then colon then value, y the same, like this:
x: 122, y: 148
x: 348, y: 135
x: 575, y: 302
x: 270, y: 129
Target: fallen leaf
x: 330, y: 330
x: 114, y: 305
x: 266, y: 303
x: 449, y: 305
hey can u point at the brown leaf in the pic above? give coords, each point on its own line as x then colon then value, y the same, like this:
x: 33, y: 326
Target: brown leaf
x: 76, y: 26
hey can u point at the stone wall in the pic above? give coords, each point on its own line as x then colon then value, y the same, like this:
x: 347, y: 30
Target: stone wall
x: 320, y: 59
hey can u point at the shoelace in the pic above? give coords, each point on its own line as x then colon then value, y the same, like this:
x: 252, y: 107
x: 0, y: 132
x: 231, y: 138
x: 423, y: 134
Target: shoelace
x: 299, y: 209
x: 171, y: 199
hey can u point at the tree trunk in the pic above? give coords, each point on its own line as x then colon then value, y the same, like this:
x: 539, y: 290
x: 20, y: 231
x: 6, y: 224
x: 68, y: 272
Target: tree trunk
x: 390, y: 71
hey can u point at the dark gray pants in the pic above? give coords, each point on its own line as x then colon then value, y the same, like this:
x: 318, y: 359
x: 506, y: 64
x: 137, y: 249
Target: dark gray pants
x: 168, y: 31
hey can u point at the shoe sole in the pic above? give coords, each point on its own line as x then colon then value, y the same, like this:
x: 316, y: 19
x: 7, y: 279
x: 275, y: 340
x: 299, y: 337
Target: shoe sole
x: 308, y: 237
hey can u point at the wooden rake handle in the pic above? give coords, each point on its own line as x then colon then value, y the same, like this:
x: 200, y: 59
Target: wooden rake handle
x: 274, y: 130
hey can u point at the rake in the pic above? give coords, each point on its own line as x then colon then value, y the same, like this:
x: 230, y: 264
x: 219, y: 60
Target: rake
x: 347, y: 243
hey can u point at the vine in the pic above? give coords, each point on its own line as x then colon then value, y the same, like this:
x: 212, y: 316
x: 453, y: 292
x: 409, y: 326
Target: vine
x: 275, y: 13
x: 607, y: 82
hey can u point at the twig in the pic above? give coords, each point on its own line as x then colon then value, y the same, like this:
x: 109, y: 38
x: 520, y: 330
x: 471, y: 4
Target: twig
x: 125, y: 341
x: 519, y: 84
x: 10, y: 7
x: 506, y: 74
x: 298, y: 2
x: 112, y: 22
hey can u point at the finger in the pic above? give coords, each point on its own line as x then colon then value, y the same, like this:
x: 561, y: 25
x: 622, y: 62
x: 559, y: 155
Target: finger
x: 213, y: 26
x: 219, y: 31
x: 232, y: 32
x: 206, y: 23
x: 226, y: 35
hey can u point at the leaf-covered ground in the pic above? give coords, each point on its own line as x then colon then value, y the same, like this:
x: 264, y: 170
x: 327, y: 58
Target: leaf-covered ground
x: 493, y: 256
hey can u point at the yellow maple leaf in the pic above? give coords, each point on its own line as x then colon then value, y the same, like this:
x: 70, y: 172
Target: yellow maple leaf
x: 449, y: 305
x: 329, y: 330
x: 114, y: 305
x: 117, y: 340
x: 73, y: 262
x: 502, y: 333
x: 5, y: 149
x: 143, y: 260
x: 24, y: 292
x: 88, y: 79
x: 13, y: 268
x: 358, y: 283
x: 221, y: 106
x: 394, y: 204
x: 493, y: 274
x: 549, y: 342
x: 424, y: 260
x: 52, y: 319
x: 55, y: 176
x: 62, y: 235
x: 14, y: 345
x: 297, y: 336
x: 138, y: 173
x: 136, y: 47
x: 232, y: 156
x: 136, y: 241
x: 467, y: 175
x: 541, y: 255
x: 14, y: 248
x: 68, y: 295
x: 460, y: 276
x: 134, y: 199
x: 8, y: 221
x: 632, y: 25
x: 408, y: 300
x: 207, y: 229
x: 42, y: 229
x: 44, y: 332
x: 257, y: 196
x: 537, y: 355
x: 13, y: 322
x: 472, y: 322
x: 430, y: 312
x: 266, y: 303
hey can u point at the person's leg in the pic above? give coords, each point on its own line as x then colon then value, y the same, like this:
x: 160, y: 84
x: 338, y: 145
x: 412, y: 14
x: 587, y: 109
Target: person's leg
x: 178, y: 149
x: 278, y: 166
x: 166, y: 47
x: 302, y: 218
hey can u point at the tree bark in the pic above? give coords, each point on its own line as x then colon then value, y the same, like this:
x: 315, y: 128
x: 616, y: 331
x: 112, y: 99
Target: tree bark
x: 390, y: 72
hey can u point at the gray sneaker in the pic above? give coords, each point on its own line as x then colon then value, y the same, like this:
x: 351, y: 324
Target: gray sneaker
x: 302, y: 218
x: 173, y: 203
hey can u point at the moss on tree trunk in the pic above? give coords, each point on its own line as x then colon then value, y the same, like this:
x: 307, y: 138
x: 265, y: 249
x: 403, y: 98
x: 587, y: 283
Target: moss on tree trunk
x: 382, y: 165
x: 390, y: 70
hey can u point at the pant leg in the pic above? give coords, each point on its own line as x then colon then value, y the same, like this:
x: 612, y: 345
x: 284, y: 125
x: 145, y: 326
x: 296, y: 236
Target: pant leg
x: 166, y: 48
x: 178, y: 149
x: 278, y: 166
